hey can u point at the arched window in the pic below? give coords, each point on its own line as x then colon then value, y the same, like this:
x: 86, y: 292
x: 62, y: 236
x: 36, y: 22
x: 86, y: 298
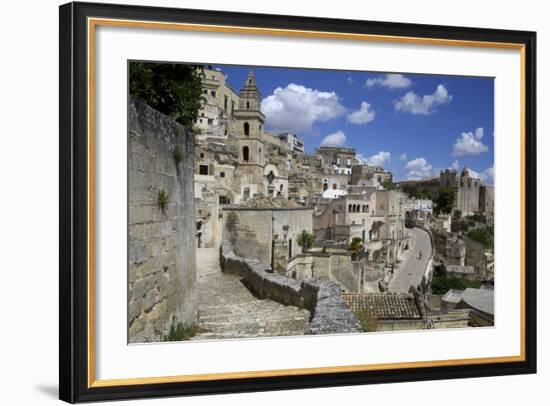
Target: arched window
x: 350, y: 208
x: 246, y: 129
x: 246, y: 153
x: 248, y: 105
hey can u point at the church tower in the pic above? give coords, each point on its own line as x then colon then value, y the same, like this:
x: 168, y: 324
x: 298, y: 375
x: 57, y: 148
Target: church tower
x: 248, y: 123
x: 247, y: 131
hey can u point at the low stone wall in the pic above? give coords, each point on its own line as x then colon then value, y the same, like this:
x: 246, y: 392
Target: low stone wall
x: 329, y: 313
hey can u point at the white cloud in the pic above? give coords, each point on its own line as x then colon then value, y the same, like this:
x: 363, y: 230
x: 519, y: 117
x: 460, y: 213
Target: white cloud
x: 296, y: 108
x: 390, y: 81
x: 455, y: 165
x: 350, y: 80
x: 488, y: 176
x: 403, y: 157
x: 362, y: 116
x: 470, y: 143
x: 379, y: 159
x: 427, y: 104
x: 336, y: 139
x: 418, y: 168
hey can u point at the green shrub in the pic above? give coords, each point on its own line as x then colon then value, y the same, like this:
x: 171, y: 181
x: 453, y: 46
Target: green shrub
x: 174, y: 89
x: 305, y: 240
x: 442, y: 283
x: 483, y: 236
x: 368, y: 321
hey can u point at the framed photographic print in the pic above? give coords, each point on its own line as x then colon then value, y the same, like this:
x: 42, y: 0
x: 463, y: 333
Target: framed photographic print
x: 258, y: 202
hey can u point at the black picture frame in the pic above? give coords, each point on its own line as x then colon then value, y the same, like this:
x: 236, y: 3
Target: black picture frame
x: 73, y: 255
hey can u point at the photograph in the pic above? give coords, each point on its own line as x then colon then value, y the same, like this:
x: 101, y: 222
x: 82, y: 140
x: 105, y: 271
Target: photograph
x: 280, y: 201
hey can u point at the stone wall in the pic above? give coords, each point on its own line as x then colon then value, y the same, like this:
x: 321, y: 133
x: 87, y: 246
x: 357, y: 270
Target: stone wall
x: 337, y: 267
x: 268, y: 235
x: 161, y: 257
x: 329, y: 313
x: 249, y: 232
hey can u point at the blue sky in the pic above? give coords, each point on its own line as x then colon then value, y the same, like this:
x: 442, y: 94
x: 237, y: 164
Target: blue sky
x: 413, y: 125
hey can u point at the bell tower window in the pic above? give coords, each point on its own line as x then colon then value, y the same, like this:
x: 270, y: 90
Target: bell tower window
x: 246, y: 154
x: 246, y: 129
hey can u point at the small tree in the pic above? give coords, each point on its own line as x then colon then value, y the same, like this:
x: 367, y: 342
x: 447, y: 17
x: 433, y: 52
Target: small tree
x: 305, y: 240
x: 388, y: 184
x: 445, y: 200
x: 355, y: 246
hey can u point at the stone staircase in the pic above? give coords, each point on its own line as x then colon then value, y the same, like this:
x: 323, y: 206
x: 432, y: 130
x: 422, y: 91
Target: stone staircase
x: 227, y: 309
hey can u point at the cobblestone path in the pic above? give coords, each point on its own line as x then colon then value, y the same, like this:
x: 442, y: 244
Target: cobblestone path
x: 227, y: 309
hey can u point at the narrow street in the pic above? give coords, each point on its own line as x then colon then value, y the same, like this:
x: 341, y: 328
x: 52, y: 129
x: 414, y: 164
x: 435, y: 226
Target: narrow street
x: 228, y: 310
x: 411, y: 269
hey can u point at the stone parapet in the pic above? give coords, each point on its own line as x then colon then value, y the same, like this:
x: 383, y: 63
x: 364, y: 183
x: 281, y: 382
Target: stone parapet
x: 329, y: 313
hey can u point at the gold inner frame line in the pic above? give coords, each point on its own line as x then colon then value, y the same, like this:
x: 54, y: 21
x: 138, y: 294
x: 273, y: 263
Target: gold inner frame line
x: 94, y: 22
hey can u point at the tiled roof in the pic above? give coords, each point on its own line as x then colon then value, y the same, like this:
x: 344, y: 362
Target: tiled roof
x: 384, y: 306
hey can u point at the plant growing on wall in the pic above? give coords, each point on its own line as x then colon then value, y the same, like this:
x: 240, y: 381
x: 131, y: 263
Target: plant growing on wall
x: 162, y: 200
x: 305, y: 240
x: 178, y: 155
x: 368, y: 320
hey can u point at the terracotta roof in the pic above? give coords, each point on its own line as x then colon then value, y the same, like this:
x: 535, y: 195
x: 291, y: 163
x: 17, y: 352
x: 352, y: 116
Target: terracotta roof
x: 384, y: 306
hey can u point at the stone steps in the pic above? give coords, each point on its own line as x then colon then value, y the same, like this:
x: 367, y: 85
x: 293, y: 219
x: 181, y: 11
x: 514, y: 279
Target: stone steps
x: 228, y: 310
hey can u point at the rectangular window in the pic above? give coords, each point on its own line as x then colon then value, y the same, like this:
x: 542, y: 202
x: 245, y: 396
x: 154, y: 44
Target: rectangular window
x: 225, y: 102
x: 210, y: 121
x: 334, y: 186
x: 213, y: 93
x: 203, y: 169
x: 222, y: 174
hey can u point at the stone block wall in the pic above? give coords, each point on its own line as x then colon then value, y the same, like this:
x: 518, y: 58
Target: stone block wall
x: 161, y: 257
x: 249, y: 232
x: 329, y: 313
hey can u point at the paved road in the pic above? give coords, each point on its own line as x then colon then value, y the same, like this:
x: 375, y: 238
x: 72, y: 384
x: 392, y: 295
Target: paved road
x: 411, y: 269
x: 228, y: 310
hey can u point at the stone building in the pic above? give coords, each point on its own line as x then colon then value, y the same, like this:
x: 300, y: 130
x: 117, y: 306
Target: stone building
x: 487, y: 201
x: 469, y: 190
x: 219, y: 103
x: 266, y: 229
x: 458, y: 249
x: 341, y: 159
x: 373, y: 217
x: 295, y: 143
x: 367, y: 175
x: 420, y: 209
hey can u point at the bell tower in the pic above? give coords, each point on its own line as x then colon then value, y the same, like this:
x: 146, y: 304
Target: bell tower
x: 250, y: 97
x: 248, y: 123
